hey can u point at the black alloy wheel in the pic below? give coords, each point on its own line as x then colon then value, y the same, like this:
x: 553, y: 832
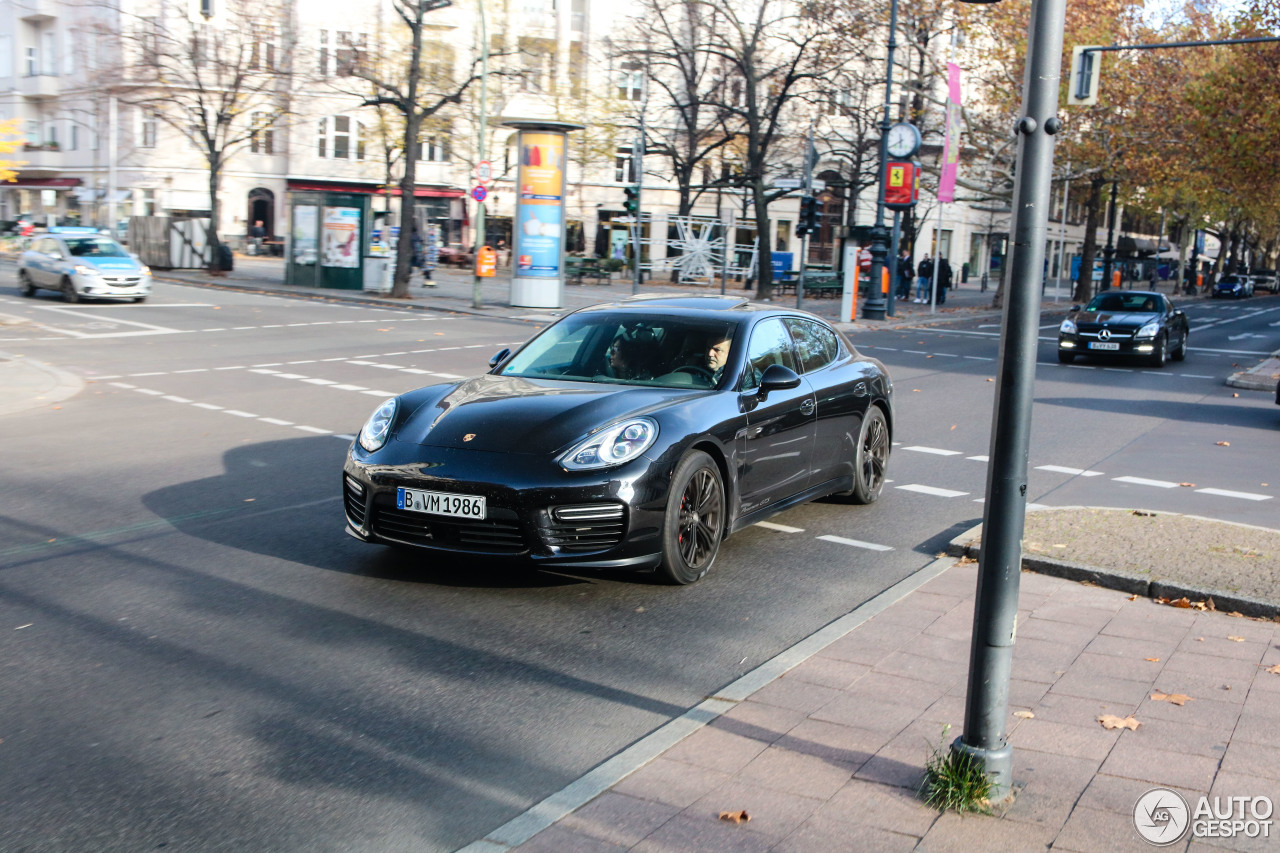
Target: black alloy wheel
x: 69, y: 291
x: 1180, y: 352
x: 694, y: 524
x: 25, y: 287
x: 873, y: 457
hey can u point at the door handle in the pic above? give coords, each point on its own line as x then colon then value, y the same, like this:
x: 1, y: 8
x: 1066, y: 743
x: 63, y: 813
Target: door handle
x: 807, y: 407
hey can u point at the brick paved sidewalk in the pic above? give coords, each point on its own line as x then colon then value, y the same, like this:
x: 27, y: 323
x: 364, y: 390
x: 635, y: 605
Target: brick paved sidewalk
x: 828, y: 757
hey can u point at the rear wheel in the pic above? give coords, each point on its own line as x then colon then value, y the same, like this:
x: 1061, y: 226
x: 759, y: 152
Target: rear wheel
x: 139, y: 299
x: 69, y: 291
x: 1065, y: 357
x: 873, y: 458
x: 25, y: 287
x: 694, y: 523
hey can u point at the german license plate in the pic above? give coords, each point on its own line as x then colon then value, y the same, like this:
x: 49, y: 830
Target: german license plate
x: 440, y: 503
x: 1103, y: 345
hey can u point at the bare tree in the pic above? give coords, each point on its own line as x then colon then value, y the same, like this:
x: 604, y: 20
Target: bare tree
x: 221, y: 82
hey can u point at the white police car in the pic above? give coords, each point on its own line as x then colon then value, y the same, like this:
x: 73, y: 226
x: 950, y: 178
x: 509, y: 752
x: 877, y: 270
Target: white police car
x: 82, y: 263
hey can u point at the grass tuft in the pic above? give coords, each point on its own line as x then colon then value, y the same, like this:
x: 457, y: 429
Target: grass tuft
x: 954, y: 781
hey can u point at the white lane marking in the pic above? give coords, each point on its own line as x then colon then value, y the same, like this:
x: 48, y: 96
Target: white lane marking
x: 344, y: 436
x: 1233, y: 351
x: 175, y: 399
x: 304, y: 361
x: 122, y: 385
x: 1196, y: 376
x: 156, y: 373
x: 1224, y: 493
x: 937, y: 451
x: 314, y: 381
x: 316, y: 430
x: 213, y: 330
x: 238, y: 413
x: 349, y: 387
x: 916, y: 351
x: 1142, y: 481
x: 270, y: 364
x: 149, y: 392
x: 946, y: 355
x: 979, y: 458
x: 276, y: 422
x: 266, y: 371
x: 192, y: 370
x: 210, y: 406
x: 447, y: 375
x: 376, y: 393
x: 931, y: 490
x: 231, y: 367
x: 1062, y: 469
x: 979, y: 358
x: 415, y: 370
x: 290, y: 375
x: 82, y: 314
x: 781, y: 528
x: 856, y: 543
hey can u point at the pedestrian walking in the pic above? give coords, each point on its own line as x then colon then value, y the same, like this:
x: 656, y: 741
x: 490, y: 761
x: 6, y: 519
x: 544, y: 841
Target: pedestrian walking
x: 924, y: 280
x: 944, y: 280
x: 905, y: 272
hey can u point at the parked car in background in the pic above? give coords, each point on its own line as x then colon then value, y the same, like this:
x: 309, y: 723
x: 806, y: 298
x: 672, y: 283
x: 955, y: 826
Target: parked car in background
x: 1125, y: 323
x: 1237, y: 286
x: 631, y: 435
x: 81, y: 263
x: 1267, y: 281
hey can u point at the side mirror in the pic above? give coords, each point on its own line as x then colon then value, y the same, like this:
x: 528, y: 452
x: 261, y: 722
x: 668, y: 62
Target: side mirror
x: 500, y: 357
x: 778, y: 378
x: 1075, y: 309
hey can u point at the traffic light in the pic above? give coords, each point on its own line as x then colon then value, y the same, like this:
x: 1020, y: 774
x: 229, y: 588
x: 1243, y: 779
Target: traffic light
x: 632, y: 204
x: 809, y: 210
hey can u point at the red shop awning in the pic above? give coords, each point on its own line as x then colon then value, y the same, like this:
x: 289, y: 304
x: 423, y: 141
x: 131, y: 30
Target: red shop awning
x: 371, y: 189
x: 43, y: 183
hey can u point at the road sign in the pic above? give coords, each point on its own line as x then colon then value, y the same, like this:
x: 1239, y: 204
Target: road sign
x: 484, y: 173
x: 786, y: 183
x: 479, y: 193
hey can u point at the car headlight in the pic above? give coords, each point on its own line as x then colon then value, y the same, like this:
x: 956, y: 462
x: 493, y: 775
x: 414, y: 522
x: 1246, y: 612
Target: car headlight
x: 1068, y: 327
x: 146, y: 270
x: 1148, y: 331
x: 619, y: 443
x: 81, y: 269
x: 374, y: 433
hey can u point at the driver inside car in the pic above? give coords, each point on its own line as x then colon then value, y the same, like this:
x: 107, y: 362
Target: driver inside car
x: 717, y: 356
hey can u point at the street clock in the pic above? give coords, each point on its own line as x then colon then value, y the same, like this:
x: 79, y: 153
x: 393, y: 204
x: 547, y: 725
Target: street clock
x: 903, y: 140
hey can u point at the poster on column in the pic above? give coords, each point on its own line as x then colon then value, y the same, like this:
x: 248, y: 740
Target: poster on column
x: 538, y: 241
x: 542, y: 158
x: 341, y: 237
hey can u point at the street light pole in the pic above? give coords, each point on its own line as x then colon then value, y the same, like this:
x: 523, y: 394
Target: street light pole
x: 874, y: 307
x: 1000, y: 561
x: 482, y: 237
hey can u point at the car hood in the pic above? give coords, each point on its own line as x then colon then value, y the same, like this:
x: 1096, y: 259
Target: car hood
x: 109, y: 264
x: 504, y: 414
x: 1117, y: 318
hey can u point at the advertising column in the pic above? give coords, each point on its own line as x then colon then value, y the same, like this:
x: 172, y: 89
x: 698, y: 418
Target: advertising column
x: 537, y: 274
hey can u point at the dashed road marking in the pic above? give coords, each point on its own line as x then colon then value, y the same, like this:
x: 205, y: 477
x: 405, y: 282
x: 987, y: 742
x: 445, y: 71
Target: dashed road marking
x: 856, y: 543
x: 781, y: 528
x: 1143, y: 481
x: 1225, y: 493
x: 936, y: 451
x: 1062, y: 469
x: 931, y: 490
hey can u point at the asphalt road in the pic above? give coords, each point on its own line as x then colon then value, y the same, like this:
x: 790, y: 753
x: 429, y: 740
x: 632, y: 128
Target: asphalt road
x: 194, y: 656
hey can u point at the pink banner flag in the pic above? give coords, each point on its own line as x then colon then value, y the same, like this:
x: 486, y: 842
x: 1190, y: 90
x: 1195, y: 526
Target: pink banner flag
x: 951, y: 144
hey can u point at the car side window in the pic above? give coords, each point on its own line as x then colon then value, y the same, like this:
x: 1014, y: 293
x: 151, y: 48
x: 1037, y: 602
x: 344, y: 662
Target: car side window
x: 770, y: 344
x: 816, y: 345
x: 45, y: 246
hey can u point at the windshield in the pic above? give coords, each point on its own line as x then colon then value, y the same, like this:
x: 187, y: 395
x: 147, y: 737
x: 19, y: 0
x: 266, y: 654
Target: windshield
x: 626, y: 348
x: 1141, y: 303
x: 94, y: 247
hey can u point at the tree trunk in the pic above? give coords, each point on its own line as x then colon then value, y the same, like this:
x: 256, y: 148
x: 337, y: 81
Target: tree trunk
x: 412, y: 123
x: 764, y: 244
x: 1084, y: 282
x: 215, y: 245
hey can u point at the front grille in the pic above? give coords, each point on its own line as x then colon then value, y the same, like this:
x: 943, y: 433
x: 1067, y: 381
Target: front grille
x: 120, y: 281
x: 586, y: 527
x: 498, y: 534
x: 1121, y: 333
x: 354, y: 503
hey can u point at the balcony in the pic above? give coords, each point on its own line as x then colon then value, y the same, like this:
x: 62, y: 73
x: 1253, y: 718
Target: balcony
x: 37, y: 11
x: 36, y: 160
x: 39, y: 87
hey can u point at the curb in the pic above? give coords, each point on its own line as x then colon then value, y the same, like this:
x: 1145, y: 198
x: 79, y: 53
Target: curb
x: 1262, y: 377
x: 26, y: 384
x: 968, y: 544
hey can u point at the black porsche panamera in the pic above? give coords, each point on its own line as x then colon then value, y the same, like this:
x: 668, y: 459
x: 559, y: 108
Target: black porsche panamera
x: 635, y: 434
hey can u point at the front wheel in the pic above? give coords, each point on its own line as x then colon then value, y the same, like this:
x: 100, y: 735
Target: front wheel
x: 873, y: 458
x: 69, y: 291
x: 694, y: 523
x: 1160, y: 353
x: 1180, y: 353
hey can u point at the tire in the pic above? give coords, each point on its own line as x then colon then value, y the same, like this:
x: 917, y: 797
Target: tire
x: 694, y: 524
x: 25, y: 287
x: 870, y: 464
x: 69, y: 291
x: 1180, y: 354
x: 138, y: 299
x: 1161, y: 353
x: 1065, y: 357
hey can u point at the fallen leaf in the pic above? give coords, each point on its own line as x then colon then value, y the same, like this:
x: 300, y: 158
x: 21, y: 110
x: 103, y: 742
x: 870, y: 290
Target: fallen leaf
x: 1154, y: 660
x: 1226, y: 687
x: 735, y: 817
x: 1224, y: 444
x: 953, y: 426
x: 1026, y: 715
x: 915, y: 390
x: 1188, y: 485
x: 249, y: 500
x: 989, y: 379
x: 1172, y: 698
x: 1144, y: 513
x: 1236, y: 639
x: 1181, y: 602
x: 1274, y: 670
x: 928, y: 356
x: 1235, y: 395
x: 1111, y: 721
x: 1133, y: 598
x: 1199, y: 639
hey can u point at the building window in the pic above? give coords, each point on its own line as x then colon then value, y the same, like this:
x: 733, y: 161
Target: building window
x: 347, y: 49
x: 206, y: 8
x: 631, y: 81
x: 33, y: 132
x: 48, y: 53
x: 148, y: 41
x: 624, y: 167
x: 73, y: 143
x: 262, y: 53
x: 149, y: 130
x: 322, y: 147
x: 33, y: 62
x: 435, y: 147
x: 51, y: 135
x: 262, y: 137
x: 538, y: 58
x: 341, y: 138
